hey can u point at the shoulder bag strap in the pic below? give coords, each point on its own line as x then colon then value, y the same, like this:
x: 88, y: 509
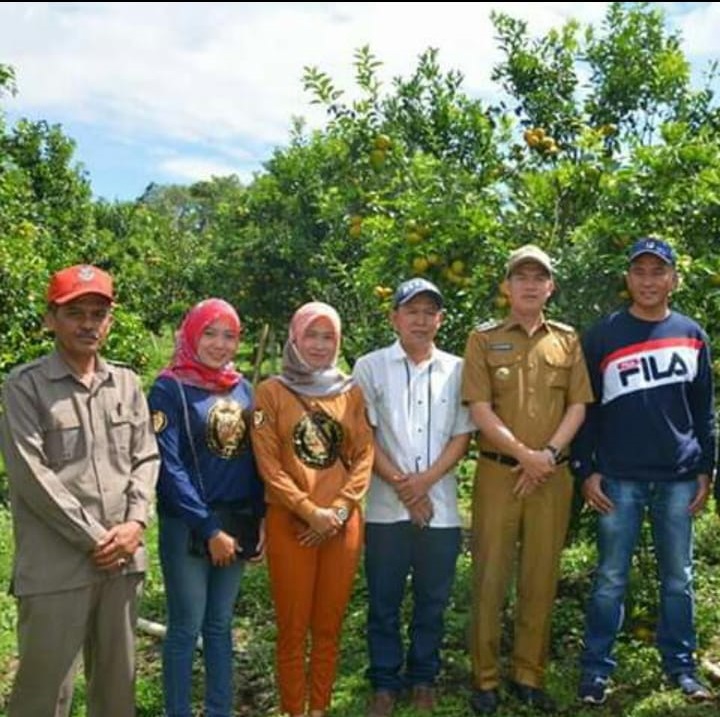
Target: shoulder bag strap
x: 186, y: 417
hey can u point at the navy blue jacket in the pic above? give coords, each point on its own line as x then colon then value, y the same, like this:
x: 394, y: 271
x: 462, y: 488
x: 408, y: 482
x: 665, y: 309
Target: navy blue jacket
x: 221, y: 435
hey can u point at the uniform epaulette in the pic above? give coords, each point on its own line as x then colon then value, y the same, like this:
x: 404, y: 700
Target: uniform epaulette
x: 560, y: 325
x: 488, y: 325
x: 119, y: 364
x: 25, y: 367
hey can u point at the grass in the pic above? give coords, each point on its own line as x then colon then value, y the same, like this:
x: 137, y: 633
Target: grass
x: 638, y: 687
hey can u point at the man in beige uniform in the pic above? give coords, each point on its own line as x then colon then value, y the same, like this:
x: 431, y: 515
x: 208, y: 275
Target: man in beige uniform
x: 527, y: 385
x: 82, y: 463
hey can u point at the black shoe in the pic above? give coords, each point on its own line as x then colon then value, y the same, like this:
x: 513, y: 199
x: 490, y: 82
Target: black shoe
x: 484, y: 702
x: 533, y: 697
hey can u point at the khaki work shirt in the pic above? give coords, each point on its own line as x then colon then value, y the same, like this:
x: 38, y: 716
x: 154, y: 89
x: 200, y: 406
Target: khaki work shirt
x: 529, y: 380
x: 79, y: 461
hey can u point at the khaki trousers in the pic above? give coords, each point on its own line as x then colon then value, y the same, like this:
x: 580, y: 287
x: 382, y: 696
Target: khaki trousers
x: 311, y: 588
x: 530, y: 532
x: 52, y: 630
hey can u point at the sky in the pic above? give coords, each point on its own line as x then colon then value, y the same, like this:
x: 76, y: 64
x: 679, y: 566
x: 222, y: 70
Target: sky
x: 180, y: 92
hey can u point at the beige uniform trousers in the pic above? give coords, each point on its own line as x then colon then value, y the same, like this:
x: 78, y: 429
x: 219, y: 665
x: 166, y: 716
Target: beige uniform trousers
x: 52, y: 630
x: 532, y: 532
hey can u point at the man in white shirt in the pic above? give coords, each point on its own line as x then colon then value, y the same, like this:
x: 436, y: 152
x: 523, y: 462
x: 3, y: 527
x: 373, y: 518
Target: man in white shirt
x: 412, y: 391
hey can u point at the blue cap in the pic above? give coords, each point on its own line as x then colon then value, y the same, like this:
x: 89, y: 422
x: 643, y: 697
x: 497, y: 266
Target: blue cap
x: 412, y: 287
x: 656, y: 247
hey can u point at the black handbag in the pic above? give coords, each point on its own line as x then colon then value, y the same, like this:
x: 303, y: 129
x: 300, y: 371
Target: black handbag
x: 236, y: 518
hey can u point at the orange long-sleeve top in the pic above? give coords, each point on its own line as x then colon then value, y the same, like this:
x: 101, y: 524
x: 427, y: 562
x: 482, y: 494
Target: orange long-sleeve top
x: 304, y: 468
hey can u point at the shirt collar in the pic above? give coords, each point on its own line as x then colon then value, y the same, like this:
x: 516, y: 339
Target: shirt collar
x: 57, y: 368
x: 397, y: 353
x: 511, y: 323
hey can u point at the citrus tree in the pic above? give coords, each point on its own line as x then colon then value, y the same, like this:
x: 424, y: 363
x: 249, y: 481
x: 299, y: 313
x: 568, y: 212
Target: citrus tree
x: 46, y: 222
x: 419, y: 179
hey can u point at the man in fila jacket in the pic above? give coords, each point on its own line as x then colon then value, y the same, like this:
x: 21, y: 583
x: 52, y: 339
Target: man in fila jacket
x: 648, y: 445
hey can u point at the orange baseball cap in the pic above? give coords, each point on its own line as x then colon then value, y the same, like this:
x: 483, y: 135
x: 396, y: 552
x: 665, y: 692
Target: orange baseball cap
x: 67, y: 284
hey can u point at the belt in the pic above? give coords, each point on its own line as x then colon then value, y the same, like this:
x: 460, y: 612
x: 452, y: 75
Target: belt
x: 500, y: 458
x: 509, y: 460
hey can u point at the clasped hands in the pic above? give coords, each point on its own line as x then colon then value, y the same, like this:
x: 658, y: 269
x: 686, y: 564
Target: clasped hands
x: 322, y: 524
x: 412, y: 489
x: 533, y: 469
x: 117, y: 546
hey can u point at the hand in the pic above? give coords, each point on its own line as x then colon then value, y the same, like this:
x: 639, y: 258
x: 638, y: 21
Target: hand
x: 118, y: 545
x: 525, y: 485
x: 325, y: 521
x: 309, y: 538
x: 421, y: 512
x: 410, y: 487
x: 223, y: 549
x: 258, y: 558
x: 703, y: 493
x: 594, y: 496
x: 537, y: 465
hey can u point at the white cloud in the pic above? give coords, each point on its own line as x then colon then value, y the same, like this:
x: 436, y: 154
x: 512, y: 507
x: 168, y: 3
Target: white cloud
x: 224, y: 79
x: 196, y: 169
x: 206, y: 71
x: 699, y: 28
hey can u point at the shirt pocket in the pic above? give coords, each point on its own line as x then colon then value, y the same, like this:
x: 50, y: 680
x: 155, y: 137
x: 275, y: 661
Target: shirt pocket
x: 557, y: 369
x: 504, y: 371
x: 63, y: 438
x: 387, y: 407
x: 122, y: 425
x: 444, y: 405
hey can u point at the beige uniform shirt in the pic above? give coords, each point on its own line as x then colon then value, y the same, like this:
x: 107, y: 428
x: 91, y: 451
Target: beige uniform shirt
x: 529, y: 380
x: 79, y: 461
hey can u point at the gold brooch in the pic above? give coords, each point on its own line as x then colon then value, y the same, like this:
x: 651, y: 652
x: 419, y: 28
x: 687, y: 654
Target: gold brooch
x: 502, y: 374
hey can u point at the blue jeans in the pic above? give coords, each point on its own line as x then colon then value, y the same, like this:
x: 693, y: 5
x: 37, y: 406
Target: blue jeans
x: 200, y: 598
x: 618, y: 533
x: 393, y: 551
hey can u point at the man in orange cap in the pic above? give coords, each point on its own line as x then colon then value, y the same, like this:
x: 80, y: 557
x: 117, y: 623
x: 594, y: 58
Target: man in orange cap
x: 82, y: 463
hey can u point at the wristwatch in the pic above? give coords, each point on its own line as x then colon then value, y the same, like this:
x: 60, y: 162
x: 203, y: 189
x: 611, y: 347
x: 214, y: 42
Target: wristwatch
x: 554, y: 452
x: 342, y: 513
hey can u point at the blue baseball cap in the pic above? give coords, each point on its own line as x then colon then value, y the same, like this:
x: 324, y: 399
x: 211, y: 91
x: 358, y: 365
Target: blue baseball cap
x: 656, y: 247
x: 412, y: 287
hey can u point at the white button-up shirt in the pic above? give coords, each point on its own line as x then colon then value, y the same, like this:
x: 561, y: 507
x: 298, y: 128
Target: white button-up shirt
x: 415, y: 410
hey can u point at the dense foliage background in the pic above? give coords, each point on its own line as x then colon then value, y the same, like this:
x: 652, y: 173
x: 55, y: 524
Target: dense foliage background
x: 599, y: 138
